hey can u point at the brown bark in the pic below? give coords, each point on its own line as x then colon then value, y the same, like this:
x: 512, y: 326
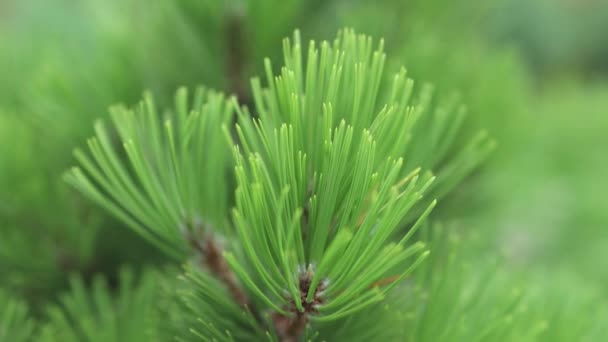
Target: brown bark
x: 290, y: 328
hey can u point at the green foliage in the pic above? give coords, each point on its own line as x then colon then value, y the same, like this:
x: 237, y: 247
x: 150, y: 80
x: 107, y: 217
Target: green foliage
x: 303, y: 206
x: 459, y: 299
x: 567, y: 313
x: 276, y: 243
x: 15, y: 324
x: 300, y: 203
x: 346, y: 78
x: 312, y: 185
x: 96, y: 314
x: 557, y: 38
x: 208, y: 312
x: 35, y: 249
x: 177, y: 168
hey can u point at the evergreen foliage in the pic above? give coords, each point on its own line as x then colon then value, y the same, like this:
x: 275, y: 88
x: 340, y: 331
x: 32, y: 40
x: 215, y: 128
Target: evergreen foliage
x: 96, y: 314
x: 15, y: 323
x: 303, y: 191
x: 311, y: 186
x: 176, y: 173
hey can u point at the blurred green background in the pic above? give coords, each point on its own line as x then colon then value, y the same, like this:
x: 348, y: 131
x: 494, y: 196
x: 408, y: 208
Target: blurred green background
x: 533, y: 73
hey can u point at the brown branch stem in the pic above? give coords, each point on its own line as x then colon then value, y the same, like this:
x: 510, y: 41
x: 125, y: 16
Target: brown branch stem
x: 290, y: 328
x: 237, y: 56
x: 209, y: 252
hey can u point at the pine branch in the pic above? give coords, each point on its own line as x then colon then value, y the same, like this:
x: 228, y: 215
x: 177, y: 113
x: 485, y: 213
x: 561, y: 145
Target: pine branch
x: 325, y: 177
x: 171, y: 186
x: 15, y: 323
x: 98, y: 314
x: 470, y: 299
x: 348, y: 74
x: 237, y: 54
x: 319, y: 176
x: 209, y: 253
x: 208, y: 311
x: 174, y: 171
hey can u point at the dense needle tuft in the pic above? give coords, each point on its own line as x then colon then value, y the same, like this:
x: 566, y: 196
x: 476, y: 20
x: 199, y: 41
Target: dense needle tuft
x: 334, y: 174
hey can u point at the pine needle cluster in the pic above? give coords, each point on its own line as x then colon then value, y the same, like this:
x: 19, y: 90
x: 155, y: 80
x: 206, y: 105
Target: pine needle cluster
x: 303, y: 191
x: 334, y: 169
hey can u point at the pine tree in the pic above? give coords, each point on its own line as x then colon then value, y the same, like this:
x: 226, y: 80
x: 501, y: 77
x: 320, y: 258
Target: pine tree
x: 326, y: 205
x: 309, y: 191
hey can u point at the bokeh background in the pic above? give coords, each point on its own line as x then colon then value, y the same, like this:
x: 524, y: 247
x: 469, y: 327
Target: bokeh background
x: 533, y: 73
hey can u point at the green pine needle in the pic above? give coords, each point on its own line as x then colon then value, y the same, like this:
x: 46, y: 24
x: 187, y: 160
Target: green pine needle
x: 322, y: 185
x: 169, y: 177
x: 98, y: 315
x: 336, y: 163
x: 15, y: 323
